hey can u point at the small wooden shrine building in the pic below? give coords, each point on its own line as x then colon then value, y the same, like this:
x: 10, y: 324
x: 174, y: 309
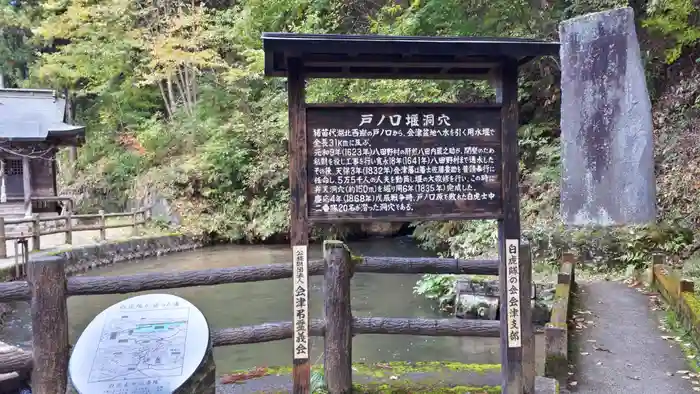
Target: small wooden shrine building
x: 32, y: 129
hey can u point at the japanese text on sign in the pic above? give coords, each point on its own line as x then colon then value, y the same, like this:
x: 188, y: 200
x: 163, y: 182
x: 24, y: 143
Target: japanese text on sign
x: 412, y: 120
x: 513, y: 292
x: 301, y: 302
x: 422, y: 161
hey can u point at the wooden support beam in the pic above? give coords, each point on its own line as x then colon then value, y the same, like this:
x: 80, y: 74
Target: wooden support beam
x: 49, y: 311
x: 3, y: 184
x: 337, y: 344
x: 123, y: 284
x: 3, y: 243
x: 15, y: 359
x: 299, y: 224
x: 510, y: 274
x: 528, y: 334
x: 27, y: 185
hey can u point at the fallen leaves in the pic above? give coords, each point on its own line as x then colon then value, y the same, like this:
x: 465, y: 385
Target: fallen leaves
x: 257, y: 372
x: 601, y: 348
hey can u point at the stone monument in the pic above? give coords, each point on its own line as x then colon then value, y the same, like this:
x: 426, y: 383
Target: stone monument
x: 606, y: 126
x: 148, y: 344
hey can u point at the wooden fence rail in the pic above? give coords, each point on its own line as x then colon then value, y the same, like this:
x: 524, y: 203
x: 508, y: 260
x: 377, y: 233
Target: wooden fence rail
x: 138, y: 217
x: 122, y: 284
x: 48, y: 290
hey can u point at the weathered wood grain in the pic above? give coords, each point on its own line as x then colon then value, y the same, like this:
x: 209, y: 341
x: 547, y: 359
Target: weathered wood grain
x: 14, y: 359
x: 427, y: 327
x: 337, y: 343
x: 123, y: 284
x: 49, y: 313
x: 298, y: 187
x: 509, y: 226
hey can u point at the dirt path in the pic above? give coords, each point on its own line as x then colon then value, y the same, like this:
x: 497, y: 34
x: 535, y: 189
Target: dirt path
x: 620, y: 350
x: 53, y: 241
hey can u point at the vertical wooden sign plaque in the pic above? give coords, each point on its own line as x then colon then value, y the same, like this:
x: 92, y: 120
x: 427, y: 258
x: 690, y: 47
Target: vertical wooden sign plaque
x: 299, y: 225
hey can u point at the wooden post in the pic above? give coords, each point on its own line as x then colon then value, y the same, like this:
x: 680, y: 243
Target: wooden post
x: 337, y: 342
x: 3, y: 244
x: 17, y: 256
x: 686, y: 285
x: 134, y: 222
x: 25, y: 256
x: 509, y: 238
x: 3, y: 186
x: 566, y: 258
x: 27, y: 184
x: 47, y: 279
x: 529, y: 366
x: 656, y: 259
x: 36, y: 232
x: 72, y: 155
x: 68, y: 214
x: 299, y: 226
x: 103, y: 231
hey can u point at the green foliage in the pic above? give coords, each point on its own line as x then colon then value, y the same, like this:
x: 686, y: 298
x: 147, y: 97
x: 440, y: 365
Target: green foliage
x: 175, y: 103
x: 678, y: 21
x: 437, y: 287
x: 611, y: 246
x: 318, y: 382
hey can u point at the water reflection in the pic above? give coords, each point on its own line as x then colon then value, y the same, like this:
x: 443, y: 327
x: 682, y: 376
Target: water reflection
x: 243, y: 304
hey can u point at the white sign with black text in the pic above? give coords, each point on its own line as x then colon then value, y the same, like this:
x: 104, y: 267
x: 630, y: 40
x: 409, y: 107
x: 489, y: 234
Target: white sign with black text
x: 513, y: 292
x: 301, y: 302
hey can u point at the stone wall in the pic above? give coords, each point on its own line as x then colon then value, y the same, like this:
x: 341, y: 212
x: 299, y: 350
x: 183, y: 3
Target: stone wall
x: 86, y: 257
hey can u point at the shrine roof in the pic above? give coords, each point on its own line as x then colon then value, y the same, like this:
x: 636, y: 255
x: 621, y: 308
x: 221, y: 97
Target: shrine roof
x: 36, y: 115
x: 374, y: 56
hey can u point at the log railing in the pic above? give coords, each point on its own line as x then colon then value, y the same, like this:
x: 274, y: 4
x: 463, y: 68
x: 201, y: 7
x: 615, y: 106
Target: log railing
x: 47, y: 288
x: 137, y: 217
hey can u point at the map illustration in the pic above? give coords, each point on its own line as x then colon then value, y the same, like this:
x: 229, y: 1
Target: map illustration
x: 137, y: 344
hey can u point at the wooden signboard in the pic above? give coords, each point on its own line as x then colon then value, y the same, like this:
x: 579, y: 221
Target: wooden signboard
x: 403, y: 162
x: 408, y: 162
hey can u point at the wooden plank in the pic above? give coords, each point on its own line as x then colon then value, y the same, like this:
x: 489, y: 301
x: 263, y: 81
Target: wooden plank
x: 123, y: 284
x: 299, y: 226
x: 337, y: 344
x: 13, y: 359
x: 486, y: 106
x: 49, y: 311
x: 509, y: 235
x: 27, y: 185
x: 528, y: 334
x: 402, y: 163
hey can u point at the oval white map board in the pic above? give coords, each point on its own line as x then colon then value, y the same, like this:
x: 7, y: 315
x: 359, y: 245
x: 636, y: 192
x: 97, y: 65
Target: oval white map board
x: 149, y: 344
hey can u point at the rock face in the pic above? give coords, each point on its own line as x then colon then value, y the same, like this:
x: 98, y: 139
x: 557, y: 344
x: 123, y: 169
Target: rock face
x: 606, y: 126
x: 382, y: 229
x: 476, y: 299
x: 479, y: 299
x: 161, y: 209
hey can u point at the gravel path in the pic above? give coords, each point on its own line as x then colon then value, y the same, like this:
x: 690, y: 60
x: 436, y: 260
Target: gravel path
x: 620, y: 350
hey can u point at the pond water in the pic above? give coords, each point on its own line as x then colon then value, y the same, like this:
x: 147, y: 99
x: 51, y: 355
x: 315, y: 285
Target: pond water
x: 234, y: 305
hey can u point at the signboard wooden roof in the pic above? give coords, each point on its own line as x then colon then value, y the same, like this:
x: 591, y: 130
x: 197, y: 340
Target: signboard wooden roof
x: 374, y: 56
